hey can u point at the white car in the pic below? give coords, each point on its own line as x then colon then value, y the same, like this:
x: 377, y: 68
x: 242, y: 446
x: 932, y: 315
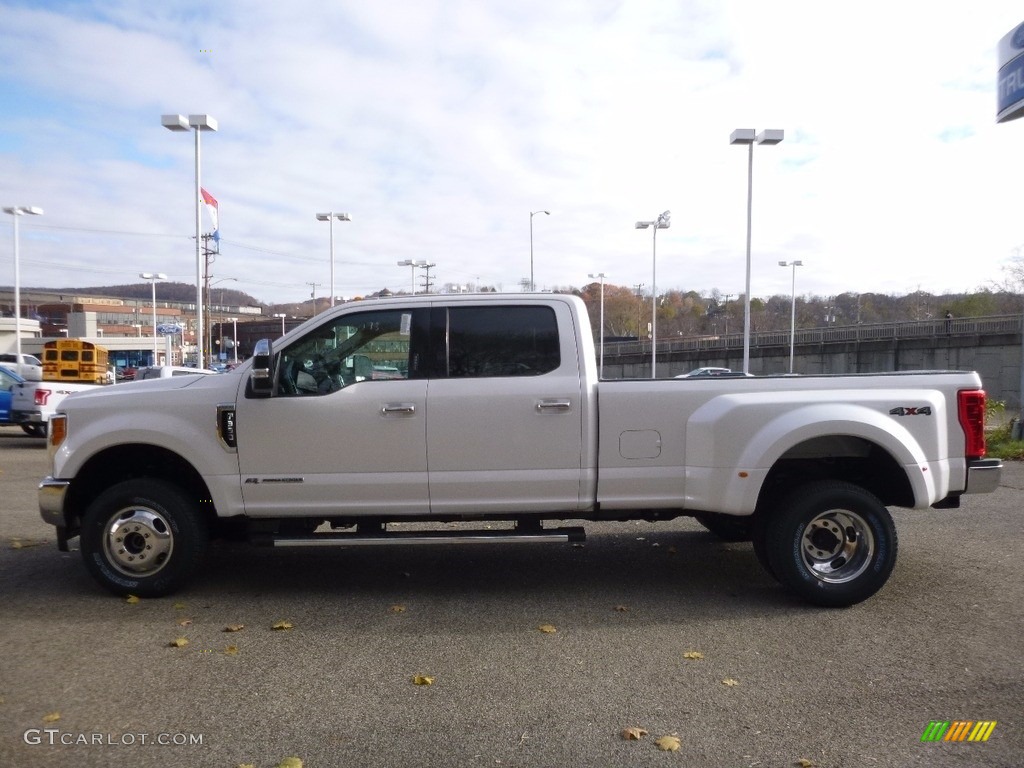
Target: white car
x: 700, y: 373
x: 31, y: 366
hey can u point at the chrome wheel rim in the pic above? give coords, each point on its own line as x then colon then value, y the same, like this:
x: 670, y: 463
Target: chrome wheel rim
x: 138, y: 541
x: 837, y: 546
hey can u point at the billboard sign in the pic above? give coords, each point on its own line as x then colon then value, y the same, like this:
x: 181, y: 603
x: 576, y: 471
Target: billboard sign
x: 1011, y: 76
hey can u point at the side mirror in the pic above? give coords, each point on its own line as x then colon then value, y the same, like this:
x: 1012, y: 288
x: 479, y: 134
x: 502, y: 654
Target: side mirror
x: 261, y: 378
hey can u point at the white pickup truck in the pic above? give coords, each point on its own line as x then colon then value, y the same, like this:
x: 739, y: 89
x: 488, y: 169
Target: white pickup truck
x: 497, y: 413
x: 34, y: 402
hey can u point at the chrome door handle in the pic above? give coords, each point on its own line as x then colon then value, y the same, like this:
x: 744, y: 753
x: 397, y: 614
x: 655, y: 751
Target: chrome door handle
x: 547, y: 406
x: 398, y: 408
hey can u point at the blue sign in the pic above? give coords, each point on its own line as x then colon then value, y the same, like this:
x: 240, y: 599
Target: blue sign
x: 169, y: 329
x: 1011, y: 76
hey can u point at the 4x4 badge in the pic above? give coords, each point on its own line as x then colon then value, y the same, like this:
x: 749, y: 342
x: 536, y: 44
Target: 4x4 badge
x: 910, y: 410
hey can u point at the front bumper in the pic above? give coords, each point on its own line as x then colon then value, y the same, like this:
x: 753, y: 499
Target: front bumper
x: 27, y: 417
x: 983, y: 475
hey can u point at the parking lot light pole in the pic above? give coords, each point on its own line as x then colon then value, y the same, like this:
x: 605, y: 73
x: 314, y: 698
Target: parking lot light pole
x: 16, y: 211
x: 662, y: 222
x: 750, y: 137
x: 533, y: 285
x: 331, y: 216
x: 282, y: 322
x: 792, y: 312
x: 600, y: 276
x: 153, y: 277
x: 197, y: 124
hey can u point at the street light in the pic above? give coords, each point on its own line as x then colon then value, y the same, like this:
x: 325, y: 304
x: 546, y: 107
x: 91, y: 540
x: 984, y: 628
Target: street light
x: 282, y: 322
x: 533, y: 286
x: 792, y: 317
x: 662, y: 222
x: 749, y: 137
x: 198, y: 124
x: 601, y: 276
x: 153, y: 277
x: 16, y: 211
x: 331, y: 216
x: 412, y: 271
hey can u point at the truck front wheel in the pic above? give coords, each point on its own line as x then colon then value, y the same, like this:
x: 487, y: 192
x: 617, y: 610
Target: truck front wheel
x: 142, y: 537
x: 832, y: 543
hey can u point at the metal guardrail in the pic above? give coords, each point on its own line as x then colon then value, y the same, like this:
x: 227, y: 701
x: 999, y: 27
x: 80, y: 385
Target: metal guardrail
x: 912, y: 329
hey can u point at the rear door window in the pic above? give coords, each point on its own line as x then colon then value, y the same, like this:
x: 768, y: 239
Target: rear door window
x: 486, y: 342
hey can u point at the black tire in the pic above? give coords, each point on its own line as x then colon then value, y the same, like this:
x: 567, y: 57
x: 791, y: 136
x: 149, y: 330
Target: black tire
x: 34, y: 430
x: 143, y: 537
x: 726, y: 527
x: 832, y: 543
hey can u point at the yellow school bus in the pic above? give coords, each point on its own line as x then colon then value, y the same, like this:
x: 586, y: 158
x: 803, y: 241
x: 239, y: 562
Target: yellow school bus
x: 74, y: 360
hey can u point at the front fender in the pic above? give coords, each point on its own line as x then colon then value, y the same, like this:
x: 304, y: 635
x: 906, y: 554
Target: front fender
x: 170, y: 420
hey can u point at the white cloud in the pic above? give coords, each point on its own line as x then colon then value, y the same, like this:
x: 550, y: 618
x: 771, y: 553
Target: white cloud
x: 440, y: 125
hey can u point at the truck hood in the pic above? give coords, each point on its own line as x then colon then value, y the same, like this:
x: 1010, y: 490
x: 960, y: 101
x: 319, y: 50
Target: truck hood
x: 201, y: 387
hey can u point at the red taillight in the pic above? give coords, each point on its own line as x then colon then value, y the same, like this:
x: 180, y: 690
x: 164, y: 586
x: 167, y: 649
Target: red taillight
x: 42, y: 395
x: 971, y: 411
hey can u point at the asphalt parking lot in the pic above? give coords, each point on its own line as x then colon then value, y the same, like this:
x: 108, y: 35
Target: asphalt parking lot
x: 89, y: 679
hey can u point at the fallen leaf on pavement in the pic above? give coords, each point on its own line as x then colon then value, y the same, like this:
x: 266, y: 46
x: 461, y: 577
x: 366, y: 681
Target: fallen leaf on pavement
x: 422, y: 680
x: 178, y: 642
x: 693, y: 655
x: 668, y: 743
x: 283, y: 625
x: 633, y: 734
x: 547, y: 629
x: 53, y: 717
x: 25, y: 543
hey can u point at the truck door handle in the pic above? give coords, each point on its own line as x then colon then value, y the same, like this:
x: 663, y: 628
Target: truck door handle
x: 548, y: 406
x: 398, y: 408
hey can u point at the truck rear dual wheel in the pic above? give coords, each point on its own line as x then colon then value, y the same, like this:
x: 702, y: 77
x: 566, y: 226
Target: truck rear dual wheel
x: 143, y: 537
x: 832, y: 543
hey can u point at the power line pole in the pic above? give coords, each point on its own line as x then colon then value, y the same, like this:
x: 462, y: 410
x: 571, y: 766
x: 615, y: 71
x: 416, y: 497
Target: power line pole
x: 314, y: 286
x: 211, y: 256
x: 427, y: 284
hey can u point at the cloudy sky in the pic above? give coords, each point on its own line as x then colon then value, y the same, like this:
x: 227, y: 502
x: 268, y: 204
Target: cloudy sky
x: 440, y: 125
